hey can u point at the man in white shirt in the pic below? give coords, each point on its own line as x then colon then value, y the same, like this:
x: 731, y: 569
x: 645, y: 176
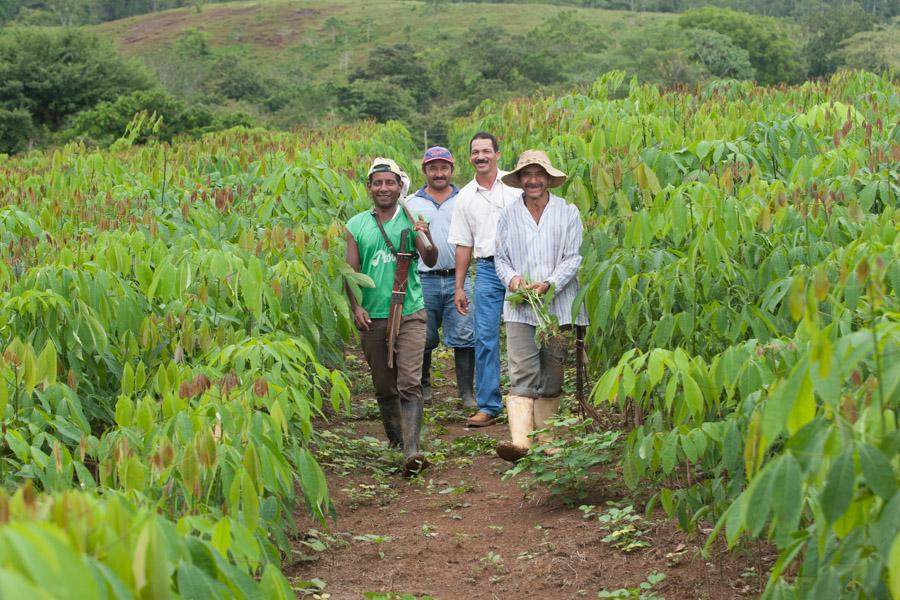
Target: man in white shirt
x: 472, y: 230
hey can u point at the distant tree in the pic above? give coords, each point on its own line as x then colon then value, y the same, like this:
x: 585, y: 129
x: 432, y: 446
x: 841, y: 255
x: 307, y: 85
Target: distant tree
x: 379, y: 99
x: 398, y: 65
x: 657, y: 54
x: 337, y: 29
x: 192, y: 43
x: 69, y: 12
x: 107, y: 121
x: 16, y: 130
x: 719, y: 55
x: 825, y: 29
x: 772, y: 53
x: 237, y: 78
x: 53, y: 74
x: 876, y: 51
x: 8, y: 10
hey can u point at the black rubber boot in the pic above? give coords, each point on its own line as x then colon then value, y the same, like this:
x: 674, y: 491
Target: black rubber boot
x: 391, y: 418
x: 414, y: 461
x: 427, y: 392
x: 465, y: 375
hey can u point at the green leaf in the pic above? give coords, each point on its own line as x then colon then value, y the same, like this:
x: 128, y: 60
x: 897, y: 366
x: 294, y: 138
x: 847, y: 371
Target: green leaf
x: 274, y: 586
x: 136, y: 475
x: 655, y: 366
x: 127, y: 380
x: 124, y: 411
x: 692, y: 395
x: 781, y: 401
x: 787, y: 498
x: 893, y: 568
x: 195, y: 583
x: 47, y: 364
x: 249, y: 502
x: 804, y: 408
x: 839, y: 487
x: 221, y: 536
x: 878, y: 471
x: 669, y: 452
x: 759, y: 501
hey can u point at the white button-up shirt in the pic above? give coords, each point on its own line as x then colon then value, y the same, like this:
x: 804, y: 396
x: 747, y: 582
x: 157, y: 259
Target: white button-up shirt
x: 476, y: 212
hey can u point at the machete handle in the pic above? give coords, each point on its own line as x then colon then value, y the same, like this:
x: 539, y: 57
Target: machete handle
x: 409, y: 215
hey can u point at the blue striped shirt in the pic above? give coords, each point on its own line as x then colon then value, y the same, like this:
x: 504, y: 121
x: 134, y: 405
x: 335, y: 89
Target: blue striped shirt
x: 546, y: 251
x: 438, y: 215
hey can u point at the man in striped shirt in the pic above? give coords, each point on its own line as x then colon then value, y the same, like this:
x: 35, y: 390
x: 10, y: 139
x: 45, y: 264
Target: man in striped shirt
x: 537, y: 249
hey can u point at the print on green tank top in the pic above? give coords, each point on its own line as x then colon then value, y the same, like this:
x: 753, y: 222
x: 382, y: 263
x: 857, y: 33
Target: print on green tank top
x: 377, y: 262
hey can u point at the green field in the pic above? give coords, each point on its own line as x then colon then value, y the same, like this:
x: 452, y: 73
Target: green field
x: 173, y: 329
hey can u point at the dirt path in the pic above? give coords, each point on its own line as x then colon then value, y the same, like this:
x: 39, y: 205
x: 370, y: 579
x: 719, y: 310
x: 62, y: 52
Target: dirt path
x: 460, y: 531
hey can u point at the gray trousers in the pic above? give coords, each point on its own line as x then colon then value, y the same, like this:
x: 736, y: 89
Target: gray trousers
x: 534, y: 372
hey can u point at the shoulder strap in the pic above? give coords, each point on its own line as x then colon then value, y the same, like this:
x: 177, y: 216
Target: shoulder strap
x: 384, y: 234
x: 387, y: 240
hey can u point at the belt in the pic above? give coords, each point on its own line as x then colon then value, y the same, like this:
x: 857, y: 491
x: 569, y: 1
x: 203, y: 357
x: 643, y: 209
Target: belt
x: 439, y: 272
x: 487, y: 258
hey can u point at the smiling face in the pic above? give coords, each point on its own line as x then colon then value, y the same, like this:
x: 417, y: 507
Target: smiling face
x: 384, y: 188
x: 534, y: 181
x: 437, y: 174
x: 483, y: 157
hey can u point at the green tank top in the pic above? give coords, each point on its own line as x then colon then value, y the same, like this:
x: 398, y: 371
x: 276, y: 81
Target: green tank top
x: 377, y: 262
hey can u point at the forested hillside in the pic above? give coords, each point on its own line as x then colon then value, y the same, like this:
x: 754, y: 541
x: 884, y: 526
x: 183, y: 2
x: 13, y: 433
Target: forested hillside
x: 280, y: 63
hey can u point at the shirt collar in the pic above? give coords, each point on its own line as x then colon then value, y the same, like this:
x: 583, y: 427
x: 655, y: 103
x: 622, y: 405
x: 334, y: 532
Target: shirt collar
x: 393, y: 216
x: 423, y: 194
x: 551, y: 201
x: 479, y: 187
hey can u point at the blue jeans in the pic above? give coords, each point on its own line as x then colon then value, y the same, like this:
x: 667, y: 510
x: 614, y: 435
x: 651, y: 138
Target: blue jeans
x: 459, y: 331
x: 489, y: 295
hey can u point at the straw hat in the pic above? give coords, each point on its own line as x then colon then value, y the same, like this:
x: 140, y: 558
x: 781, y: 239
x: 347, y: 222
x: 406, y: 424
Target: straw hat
x: 534, y: 157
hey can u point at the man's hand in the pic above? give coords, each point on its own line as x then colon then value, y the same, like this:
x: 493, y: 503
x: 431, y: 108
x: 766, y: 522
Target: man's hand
x: 461, y: 301
x: 421, y: 225
x: 361, y: 318
x: 515, y: 283
x: 540, y: 286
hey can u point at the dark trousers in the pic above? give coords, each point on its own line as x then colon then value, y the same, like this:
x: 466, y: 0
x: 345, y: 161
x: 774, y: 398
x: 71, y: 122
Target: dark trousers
x: 405, y: 377
x: 398, y: 388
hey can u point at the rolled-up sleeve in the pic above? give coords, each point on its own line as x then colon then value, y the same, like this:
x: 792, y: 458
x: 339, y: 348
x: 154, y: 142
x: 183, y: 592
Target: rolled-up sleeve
x: 502, y: 260
x: 567, y: 268
x: 461, y: 232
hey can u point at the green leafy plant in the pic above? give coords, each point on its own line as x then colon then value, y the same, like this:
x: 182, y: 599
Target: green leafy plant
x: 740, y: 276
x: 376, y: 539
x: 581, y: 459
x: 547, y: 328
x: 643, y: 591
x: 623, y: 527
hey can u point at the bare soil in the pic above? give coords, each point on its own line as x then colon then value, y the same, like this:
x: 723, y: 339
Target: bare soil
x: 261, y: 27
x: 460, y: 531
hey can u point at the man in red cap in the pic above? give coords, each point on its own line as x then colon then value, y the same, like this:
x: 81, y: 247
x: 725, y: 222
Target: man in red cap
x: 435, y: 202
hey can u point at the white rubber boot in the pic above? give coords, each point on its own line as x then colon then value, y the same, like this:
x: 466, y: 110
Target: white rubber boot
x: 520, y: 414
x: 544, y: 410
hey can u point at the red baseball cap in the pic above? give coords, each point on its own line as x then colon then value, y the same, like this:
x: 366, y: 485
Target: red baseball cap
x: 437, y: 153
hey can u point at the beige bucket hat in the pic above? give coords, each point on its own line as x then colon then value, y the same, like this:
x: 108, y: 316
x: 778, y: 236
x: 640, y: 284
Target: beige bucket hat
x: 534, y: 157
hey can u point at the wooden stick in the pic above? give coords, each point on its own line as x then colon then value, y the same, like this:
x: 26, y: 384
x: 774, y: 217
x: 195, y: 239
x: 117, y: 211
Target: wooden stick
x: 409, y: 216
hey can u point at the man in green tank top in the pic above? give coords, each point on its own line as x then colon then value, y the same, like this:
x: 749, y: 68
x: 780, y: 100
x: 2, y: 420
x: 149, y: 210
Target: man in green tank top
x: 385, y: 244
